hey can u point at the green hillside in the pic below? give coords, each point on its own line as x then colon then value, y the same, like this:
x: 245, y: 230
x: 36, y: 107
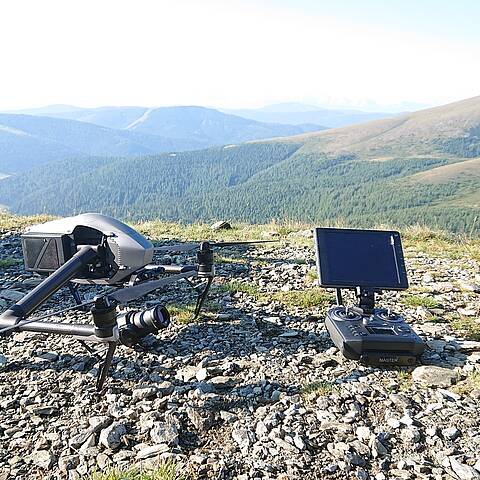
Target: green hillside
x: 415, y: 168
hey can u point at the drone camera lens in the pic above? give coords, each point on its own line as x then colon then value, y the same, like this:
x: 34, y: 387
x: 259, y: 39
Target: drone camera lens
x: 151, y: 320
x: 133, y: 326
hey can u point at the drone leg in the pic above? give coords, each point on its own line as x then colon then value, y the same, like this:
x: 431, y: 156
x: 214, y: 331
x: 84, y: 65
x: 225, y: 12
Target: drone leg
x: 76, y: 296
x: 105, y: 366
x: 201, y: 298
x: 90, y: 350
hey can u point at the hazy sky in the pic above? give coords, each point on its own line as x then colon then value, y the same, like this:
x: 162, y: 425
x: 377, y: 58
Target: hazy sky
x: 237, y: 53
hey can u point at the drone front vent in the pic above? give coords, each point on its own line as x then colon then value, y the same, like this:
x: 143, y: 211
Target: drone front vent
x: 45, y: 253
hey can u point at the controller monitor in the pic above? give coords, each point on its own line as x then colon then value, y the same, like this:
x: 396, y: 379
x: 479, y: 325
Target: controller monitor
x: 370, y: 259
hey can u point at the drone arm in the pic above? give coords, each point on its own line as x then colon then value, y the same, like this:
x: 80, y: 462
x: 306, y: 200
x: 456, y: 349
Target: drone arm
x: 77, y: 330
x: 50, y: 285
x: 179, y: 268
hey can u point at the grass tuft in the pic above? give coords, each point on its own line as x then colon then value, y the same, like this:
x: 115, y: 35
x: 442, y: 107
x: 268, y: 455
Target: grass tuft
x: 404, y: 380
x: 308, y: 298
x: 317, y: 389
x: 235, y: 286
x: 471, y: 383
x: 419, y: 301
x: 165, y: 471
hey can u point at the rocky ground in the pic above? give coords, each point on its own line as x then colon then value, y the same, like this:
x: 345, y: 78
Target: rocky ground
x: 253, y: 390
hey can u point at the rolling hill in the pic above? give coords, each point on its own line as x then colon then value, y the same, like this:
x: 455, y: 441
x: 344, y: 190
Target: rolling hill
x: 419, y: 167
x: 27, y: 141
x: 30, y: 140
x: 300, y: 114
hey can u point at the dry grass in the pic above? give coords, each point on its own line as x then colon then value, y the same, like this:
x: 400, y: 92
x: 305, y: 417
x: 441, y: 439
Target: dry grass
x: 16, y: 223
x: 468, y: 327
x: 466, y: 169
x: 467, y: 386
x: 435, y: 243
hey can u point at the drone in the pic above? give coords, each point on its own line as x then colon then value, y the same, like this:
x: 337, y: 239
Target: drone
x: 94, y: 249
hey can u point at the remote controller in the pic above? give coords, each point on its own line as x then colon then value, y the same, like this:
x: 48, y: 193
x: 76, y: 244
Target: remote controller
x: 377, y: 338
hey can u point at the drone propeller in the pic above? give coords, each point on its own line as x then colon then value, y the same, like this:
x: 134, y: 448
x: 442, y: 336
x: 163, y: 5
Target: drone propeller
x: 128, y: 294
x: 189, y: 247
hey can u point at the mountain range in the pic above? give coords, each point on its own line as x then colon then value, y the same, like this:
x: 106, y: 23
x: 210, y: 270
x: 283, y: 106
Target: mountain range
x: 299, y: 114
x: 291, y: 113
x: 416, y: 167
x: 49, y: 134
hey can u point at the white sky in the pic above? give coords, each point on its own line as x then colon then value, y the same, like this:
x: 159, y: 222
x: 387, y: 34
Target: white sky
x: 222, y: 53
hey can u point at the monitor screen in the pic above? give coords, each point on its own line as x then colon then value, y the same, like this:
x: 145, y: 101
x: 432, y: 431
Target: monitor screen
x: 348, y: 258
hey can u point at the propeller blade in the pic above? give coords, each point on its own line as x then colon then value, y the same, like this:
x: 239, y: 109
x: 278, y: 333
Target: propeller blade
x: 240, y: 242
x: 188, y: 247
x: 128, y: 294
x: 180, y: 247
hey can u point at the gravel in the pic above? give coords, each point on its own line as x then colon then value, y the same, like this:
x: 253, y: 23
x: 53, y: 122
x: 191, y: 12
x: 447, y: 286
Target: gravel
x: 225, y: 397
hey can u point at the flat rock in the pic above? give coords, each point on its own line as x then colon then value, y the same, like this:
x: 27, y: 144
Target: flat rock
x: 222, y: 382
x: 12, y: 295
x: 144, y: 393
x: 460, y: 470
x: 432, y: 376
x: 151, y: 451
x: 467, y: 345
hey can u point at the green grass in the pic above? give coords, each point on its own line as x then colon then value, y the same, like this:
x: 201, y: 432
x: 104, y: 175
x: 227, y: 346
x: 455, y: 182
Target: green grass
x: 308, y: 298
x: 225, y: 259
x: 235, y: 286
x: 183, y: 313
x: 317, y: 389
x: 419, y: 301
x: 165, y: 471
x: 311, y: 276
x: 8, y: 262
x: 468, y: 327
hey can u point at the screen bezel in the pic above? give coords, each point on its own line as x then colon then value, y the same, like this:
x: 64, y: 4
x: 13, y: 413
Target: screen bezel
x: 322, y: 274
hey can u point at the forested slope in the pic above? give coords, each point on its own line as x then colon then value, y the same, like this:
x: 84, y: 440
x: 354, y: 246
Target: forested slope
x: 416, y: 168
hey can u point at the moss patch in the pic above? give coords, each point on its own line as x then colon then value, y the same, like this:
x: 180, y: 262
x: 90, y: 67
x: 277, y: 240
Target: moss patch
x: 8, y: 262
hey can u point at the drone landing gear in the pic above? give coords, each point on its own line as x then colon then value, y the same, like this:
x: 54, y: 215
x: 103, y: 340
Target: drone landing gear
x: 105, y: 366
x: 202, y: 297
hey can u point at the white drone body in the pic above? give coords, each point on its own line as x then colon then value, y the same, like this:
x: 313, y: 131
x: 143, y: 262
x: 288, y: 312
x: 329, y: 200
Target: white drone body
x: 49, y: 245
